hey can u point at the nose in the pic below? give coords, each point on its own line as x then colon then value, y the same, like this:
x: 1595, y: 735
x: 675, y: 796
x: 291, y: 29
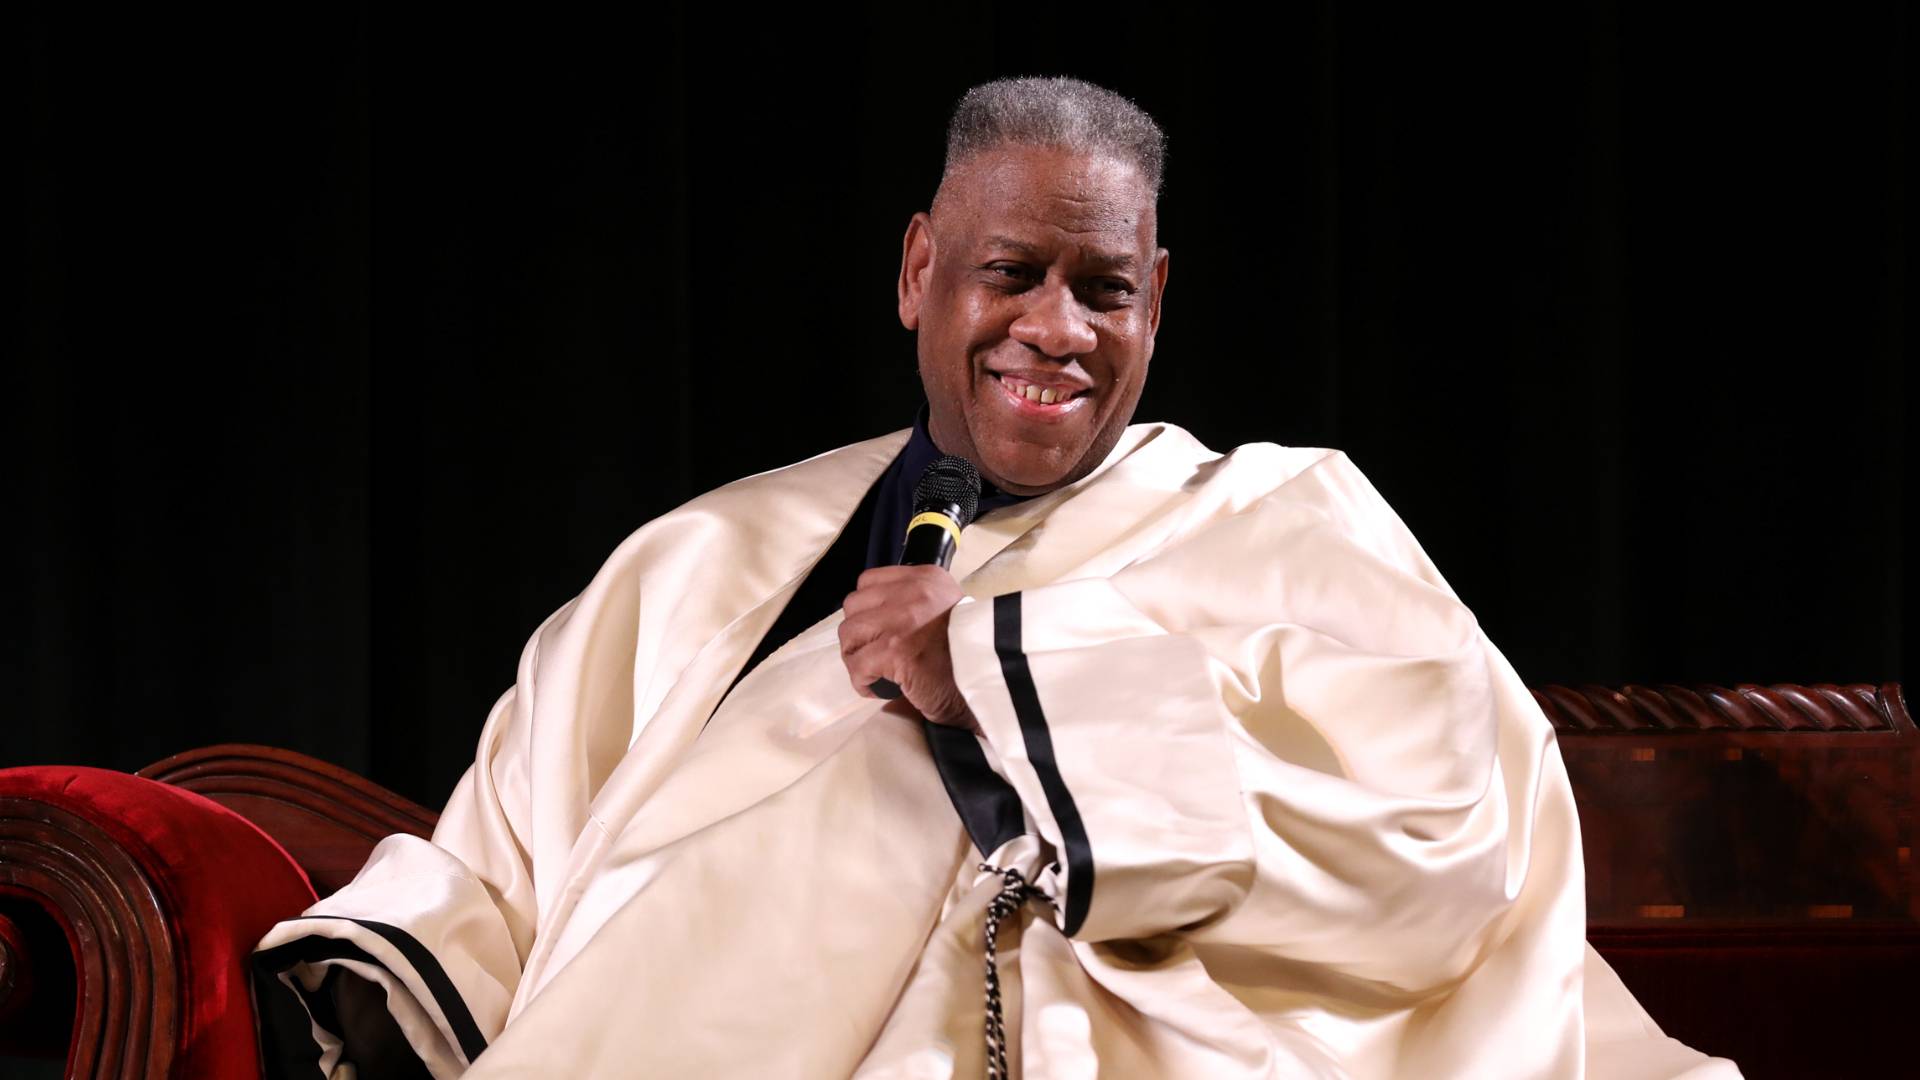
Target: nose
x: 1055, y: 323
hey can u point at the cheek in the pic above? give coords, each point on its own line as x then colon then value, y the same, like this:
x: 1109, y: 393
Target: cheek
x: 960, y: 329
x: 984, y: 313
x: 1130, y: 377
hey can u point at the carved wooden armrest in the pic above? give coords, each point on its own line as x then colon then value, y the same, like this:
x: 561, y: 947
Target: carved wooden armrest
x: 141, y: 896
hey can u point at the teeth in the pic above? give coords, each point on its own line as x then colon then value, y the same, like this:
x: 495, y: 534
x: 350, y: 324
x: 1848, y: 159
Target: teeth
x: 1037, y: 395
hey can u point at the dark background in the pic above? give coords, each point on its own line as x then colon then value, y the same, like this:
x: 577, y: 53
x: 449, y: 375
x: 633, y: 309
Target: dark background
x: 351, y: 343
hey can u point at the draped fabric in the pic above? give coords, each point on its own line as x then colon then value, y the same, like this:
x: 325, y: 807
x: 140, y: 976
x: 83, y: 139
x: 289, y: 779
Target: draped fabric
x: 1286, y: 810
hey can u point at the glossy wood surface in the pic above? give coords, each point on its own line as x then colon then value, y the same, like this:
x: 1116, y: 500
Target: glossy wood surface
x: 119, y: 951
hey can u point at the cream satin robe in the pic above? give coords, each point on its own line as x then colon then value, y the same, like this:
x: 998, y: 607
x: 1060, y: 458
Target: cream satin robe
x: 1292, y: 813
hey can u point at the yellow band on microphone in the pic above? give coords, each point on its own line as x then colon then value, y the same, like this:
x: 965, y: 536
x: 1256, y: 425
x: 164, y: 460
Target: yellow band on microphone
x: 934, y: 517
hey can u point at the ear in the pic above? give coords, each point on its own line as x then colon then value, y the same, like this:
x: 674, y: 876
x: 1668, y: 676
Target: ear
x: 916, y: 266
x: 1160, y: 260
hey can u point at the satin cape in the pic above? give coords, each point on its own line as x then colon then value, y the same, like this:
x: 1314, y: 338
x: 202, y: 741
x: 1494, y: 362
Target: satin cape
x: 1290, y: 813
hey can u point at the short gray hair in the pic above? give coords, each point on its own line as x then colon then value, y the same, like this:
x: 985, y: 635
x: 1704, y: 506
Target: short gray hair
x: 1059, y: 112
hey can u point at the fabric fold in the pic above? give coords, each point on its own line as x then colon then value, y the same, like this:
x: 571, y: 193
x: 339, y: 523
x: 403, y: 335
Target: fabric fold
x: 1135, y: 791
x: 1288, y: 809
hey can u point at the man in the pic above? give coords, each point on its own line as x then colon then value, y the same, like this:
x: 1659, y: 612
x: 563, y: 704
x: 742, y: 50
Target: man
x: 1200, y: 769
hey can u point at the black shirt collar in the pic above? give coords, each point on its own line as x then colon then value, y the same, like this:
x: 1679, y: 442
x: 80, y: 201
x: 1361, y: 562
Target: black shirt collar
x: 895, y: 506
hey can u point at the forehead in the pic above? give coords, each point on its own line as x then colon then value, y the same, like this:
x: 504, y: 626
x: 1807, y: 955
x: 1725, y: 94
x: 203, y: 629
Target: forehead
x: 1043, y: 196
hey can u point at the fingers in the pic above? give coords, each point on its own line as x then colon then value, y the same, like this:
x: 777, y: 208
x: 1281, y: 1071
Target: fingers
x: 878, y: 575
x: 927, y: 588
x: 894, y: 627
x: 876, y: 588
x: 865, y: 664
x: 864, y: 600
x: 856, y: 632
x: 867, y: 648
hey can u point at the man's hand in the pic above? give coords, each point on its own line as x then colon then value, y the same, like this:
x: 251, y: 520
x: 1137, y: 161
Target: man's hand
x: 896, y: 629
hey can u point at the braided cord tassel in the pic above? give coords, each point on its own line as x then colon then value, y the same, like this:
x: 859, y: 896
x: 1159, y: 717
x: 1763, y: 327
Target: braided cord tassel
x: 1013, y: 892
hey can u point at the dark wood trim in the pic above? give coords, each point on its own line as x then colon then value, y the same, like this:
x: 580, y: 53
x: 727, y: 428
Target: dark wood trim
x: 128, y: 975
x: 1782, y: 708
x: 350, y: 800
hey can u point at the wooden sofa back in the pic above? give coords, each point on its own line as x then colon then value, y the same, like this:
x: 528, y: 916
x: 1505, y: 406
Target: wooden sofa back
x: 1750, y: 871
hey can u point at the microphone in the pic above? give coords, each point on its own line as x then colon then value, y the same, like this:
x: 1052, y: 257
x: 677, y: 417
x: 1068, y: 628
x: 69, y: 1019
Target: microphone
x: 944, y: 502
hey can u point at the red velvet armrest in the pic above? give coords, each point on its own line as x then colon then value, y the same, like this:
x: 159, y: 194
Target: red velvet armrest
x: 128, y: 909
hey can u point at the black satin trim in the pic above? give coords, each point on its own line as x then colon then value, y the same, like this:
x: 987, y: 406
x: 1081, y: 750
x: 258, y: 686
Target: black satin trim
x: 1033, y: 729
x: 988, y: 805
x: 291, y: 1035
x: 288, y: 1050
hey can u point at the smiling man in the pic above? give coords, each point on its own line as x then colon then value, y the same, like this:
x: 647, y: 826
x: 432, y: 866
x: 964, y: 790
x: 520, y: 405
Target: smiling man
x: 1200, y: 768
x: 1035, y: 287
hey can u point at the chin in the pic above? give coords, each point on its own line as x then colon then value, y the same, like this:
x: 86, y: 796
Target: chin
x: 1029, y: 475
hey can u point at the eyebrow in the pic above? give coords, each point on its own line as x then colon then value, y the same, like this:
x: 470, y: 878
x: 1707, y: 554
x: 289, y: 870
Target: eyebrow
x: 1098, y: 260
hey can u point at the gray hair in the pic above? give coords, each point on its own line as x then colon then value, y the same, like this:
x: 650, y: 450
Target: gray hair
x: 1059, y: 112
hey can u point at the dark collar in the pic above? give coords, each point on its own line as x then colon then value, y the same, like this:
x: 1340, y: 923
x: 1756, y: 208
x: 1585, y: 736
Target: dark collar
x: 895, y: 504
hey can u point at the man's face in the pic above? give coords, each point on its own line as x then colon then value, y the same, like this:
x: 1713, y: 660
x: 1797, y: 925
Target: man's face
x: 1035, y: 277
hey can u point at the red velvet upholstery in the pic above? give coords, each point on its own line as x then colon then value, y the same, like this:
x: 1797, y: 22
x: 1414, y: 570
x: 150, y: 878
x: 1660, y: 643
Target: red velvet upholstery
x: 216, y: 881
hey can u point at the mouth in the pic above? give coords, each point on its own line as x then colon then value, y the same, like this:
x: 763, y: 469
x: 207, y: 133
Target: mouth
x: 1041, y: 400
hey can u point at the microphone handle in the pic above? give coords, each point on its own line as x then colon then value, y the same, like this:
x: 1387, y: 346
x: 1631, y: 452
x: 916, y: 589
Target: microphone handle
x: 928, y: 544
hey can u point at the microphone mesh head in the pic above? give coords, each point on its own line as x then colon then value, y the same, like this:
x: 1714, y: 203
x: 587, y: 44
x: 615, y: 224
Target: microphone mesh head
x: 950, y: 481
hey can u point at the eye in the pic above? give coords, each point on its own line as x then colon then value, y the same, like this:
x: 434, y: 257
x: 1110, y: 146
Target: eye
x: 1110, y: 292
x: 1009, y: 271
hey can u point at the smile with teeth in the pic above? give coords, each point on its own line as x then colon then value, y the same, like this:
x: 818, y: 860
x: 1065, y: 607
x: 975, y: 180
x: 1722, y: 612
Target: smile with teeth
x: 1034, y: 392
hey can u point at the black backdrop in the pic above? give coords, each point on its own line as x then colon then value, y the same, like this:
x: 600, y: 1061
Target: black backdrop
x: 352, y: 342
